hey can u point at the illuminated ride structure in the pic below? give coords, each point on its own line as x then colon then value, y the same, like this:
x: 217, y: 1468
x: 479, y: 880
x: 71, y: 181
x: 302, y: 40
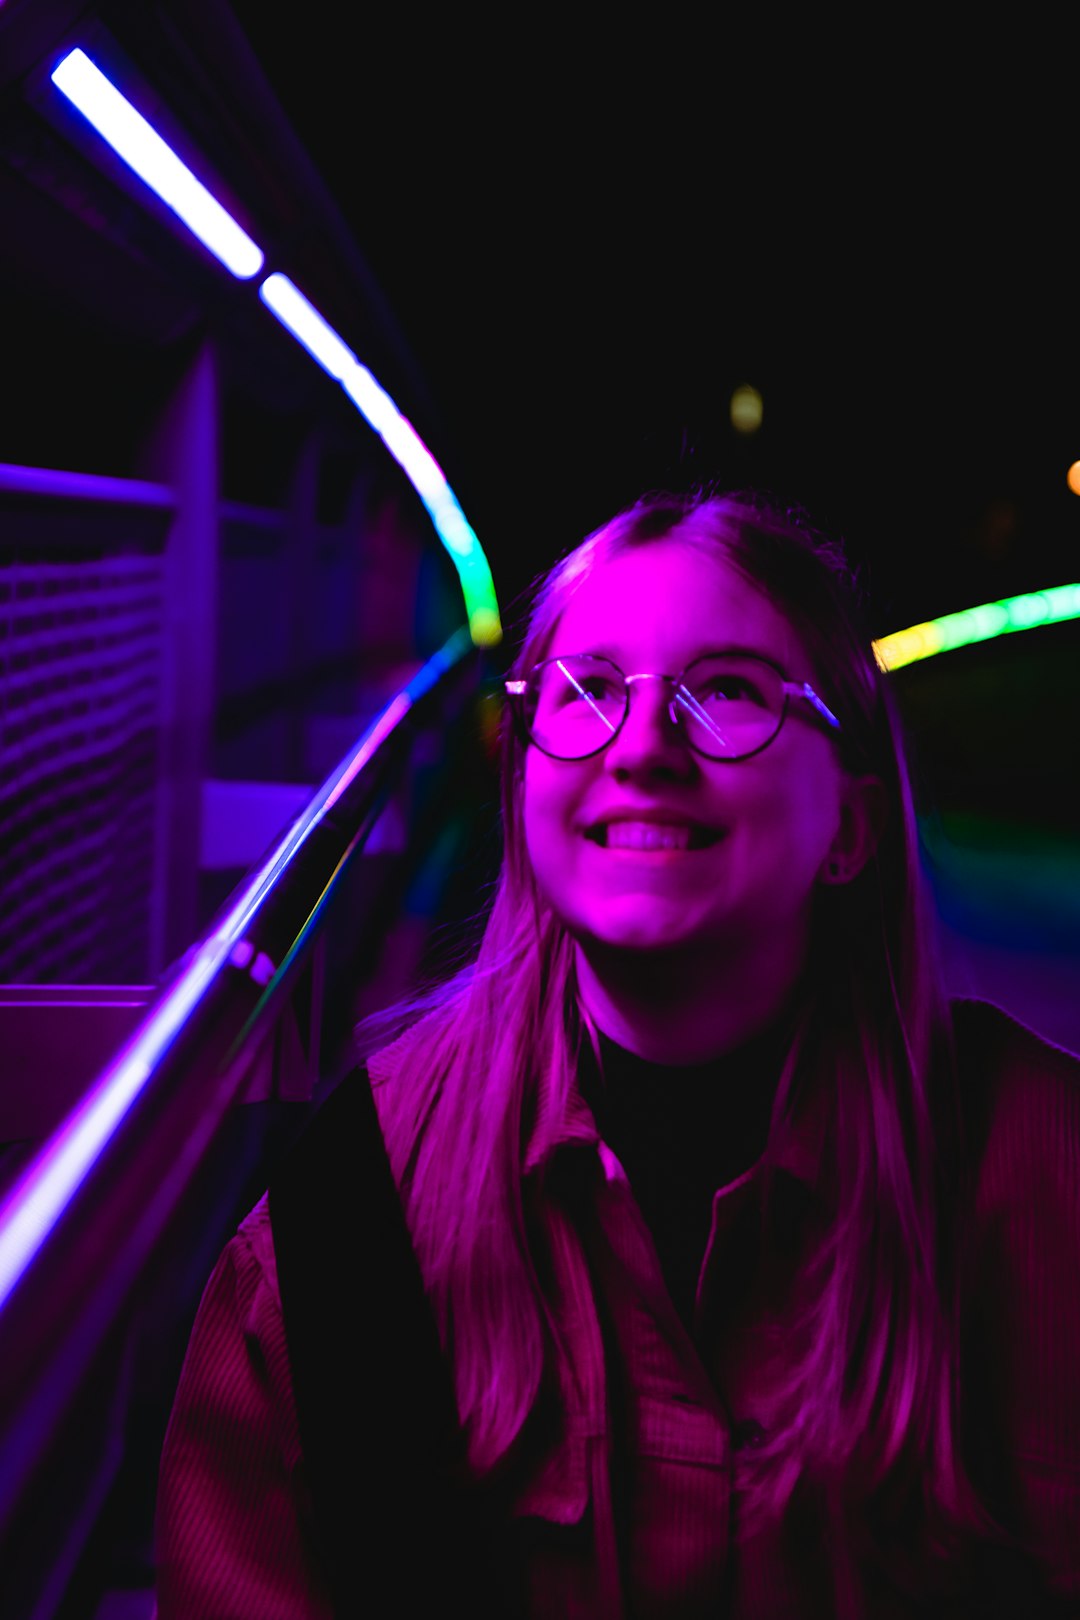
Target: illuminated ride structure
x: 243, y: 766
x: 245, y: 763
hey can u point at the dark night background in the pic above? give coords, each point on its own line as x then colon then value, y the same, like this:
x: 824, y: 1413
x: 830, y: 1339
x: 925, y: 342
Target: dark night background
x: 592, y: 234
x: 587, y: 232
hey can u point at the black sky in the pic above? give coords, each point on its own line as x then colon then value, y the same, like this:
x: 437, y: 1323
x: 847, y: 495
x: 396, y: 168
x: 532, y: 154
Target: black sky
x: 589, y: 245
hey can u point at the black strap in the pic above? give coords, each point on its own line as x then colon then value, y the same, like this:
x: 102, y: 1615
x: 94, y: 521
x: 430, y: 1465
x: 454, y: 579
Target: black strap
x: 377, y: 1415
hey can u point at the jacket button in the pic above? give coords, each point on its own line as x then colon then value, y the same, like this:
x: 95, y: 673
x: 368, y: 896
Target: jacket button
x: 747, y: 1434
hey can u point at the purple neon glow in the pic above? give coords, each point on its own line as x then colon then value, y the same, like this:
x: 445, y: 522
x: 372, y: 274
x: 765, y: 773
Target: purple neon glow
x: 76, y: 486
x: 35, y: 1204
x: 153, y: 160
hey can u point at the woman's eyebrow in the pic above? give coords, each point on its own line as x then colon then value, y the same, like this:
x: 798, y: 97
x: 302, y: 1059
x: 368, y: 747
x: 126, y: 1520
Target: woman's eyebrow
x: 737, y: 649
x: 705, y: 650
x: 595, y: 650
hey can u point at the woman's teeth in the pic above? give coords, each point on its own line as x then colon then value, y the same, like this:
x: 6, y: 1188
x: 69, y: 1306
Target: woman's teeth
x: 646, y: 835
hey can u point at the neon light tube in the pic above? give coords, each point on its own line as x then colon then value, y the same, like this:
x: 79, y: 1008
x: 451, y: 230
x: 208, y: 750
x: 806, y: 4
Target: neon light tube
x: 981, y: 623
x: 307, y: 326
x: 375, y: 405
x: 154, y: 161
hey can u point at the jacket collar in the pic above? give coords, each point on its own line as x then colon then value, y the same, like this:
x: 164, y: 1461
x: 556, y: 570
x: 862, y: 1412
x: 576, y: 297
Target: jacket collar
x: 563, y: 1122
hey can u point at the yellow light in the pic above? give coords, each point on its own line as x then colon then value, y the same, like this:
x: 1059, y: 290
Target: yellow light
x: 484, y: 627
x: 907, y: 646
x: 1073, y: 477
x: 746, y: 409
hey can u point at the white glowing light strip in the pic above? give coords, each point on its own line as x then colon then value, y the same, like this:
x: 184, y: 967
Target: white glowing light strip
x: 307, y: 326
x: 318, y: 337
x: 154, y: 161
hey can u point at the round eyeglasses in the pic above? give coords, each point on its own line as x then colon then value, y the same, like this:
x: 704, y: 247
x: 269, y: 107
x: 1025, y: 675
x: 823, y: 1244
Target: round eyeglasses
x: 727, y: 706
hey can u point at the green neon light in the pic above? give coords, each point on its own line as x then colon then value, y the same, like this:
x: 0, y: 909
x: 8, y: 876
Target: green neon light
x: 978, y: 624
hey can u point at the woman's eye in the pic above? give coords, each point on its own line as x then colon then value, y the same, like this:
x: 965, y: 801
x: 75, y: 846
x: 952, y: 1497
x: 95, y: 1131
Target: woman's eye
x: 582, y: 691
x: 728, y: 689
x: 587, y: 688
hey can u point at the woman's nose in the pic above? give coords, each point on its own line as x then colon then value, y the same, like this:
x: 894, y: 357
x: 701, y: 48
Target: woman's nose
x: 649, y: 738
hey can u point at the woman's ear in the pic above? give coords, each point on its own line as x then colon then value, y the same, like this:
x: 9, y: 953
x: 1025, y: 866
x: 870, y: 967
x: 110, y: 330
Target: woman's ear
x: 863, y: 813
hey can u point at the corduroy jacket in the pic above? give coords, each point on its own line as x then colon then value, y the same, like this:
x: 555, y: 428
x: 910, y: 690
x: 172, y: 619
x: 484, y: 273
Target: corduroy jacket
x: 630, y: 1499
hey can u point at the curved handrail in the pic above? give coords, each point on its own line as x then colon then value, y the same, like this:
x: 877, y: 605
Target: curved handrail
x: 74, y: 1230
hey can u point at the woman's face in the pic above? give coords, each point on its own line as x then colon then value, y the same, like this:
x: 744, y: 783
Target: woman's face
x: 764, y: 829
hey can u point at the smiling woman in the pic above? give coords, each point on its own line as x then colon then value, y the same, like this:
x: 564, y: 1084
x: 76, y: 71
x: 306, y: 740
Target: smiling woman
x: 752, y: 1260
x: 699, y: 827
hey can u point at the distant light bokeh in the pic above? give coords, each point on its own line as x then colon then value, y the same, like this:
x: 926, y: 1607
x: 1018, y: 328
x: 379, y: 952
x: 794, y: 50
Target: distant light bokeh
x: 747, y: 409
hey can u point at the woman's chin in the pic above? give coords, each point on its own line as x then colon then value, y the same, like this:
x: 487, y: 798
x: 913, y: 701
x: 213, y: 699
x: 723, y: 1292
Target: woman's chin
x: 627, y: 935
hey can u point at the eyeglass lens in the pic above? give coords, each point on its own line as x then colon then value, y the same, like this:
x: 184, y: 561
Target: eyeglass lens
x: 727, y: 705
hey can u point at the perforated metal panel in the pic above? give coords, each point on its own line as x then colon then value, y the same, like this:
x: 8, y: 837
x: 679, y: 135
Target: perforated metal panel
x: 80, y: 740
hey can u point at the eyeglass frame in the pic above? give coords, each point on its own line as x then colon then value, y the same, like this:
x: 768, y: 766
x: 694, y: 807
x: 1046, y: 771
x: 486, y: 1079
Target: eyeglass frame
x: 516, y: 689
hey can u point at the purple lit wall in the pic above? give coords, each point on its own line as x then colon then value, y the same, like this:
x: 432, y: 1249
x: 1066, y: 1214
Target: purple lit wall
x: 81, y: 601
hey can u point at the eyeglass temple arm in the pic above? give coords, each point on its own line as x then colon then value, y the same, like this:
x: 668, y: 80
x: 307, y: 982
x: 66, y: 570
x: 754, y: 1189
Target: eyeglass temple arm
x: 803, y: 689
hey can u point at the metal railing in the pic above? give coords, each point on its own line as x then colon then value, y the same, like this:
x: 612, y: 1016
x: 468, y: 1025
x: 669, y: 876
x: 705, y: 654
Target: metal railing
x: 79, y: 1229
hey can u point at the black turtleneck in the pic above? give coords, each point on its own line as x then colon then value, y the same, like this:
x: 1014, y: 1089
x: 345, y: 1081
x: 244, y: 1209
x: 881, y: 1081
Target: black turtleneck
x: 680, y: 1132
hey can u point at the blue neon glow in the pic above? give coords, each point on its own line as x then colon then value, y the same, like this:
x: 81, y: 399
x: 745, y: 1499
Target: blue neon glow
x: 154, y: 161
x: 309, y: 328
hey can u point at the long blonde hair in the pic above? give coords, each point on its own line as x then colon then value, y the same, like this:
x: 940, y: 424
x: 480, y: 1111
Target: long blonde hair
x: 873, y: 1404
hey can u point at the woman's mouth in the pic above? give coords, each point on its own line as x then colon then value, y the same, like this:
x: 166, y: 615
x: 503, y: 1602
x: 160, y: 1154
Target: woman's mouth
x: 649, y: 835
